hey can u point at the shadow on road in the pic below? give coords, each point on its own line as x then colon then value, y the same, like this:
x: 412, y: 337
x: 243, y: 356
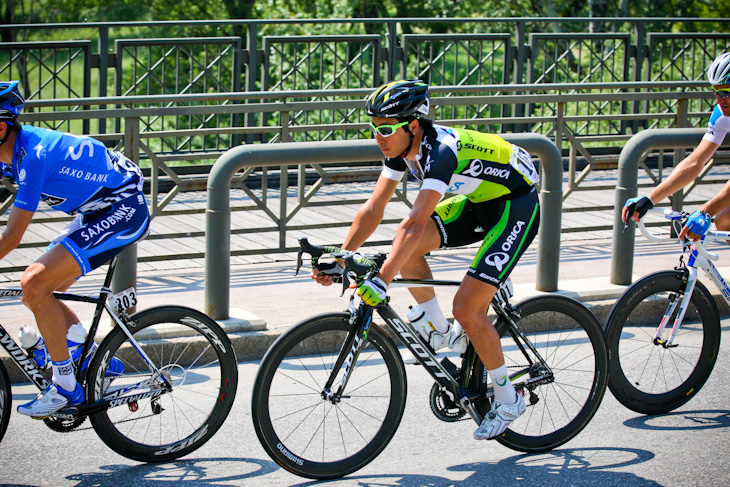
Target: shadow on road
x: 682, y: 420
x: 586, y: 466
x: 182, y: 473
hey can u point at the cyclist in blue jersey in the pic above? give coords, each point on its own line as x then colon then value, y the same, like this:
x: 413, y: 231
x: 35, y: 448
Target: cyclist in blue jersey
x: 690, y: 167
x: 495, y: 203
x: 79, y: 176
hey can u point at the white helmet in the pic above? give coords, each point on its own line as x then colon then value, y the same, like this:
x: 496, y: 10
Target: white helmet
x: 719, y: 71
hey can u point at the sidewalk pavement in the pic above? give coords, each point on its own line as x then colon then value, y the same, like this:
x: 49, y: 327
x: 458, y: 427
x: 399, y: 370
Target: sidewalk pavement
x: 267, y: 298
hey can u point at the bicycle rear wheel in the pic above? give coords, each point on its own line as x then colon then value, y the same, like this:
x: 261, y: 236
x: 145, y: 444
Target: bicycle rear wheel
x: 6, y: 400
x: 570, y: 340
x: 299, y: 426
x: 645, y: 376
x: 194, y: 355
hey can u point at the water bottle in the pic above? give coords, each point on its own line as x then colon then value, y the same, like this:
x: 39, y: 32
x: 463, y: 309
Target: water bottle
x: 34, y: 346
x: 418, y: 318
x: 75, y: 339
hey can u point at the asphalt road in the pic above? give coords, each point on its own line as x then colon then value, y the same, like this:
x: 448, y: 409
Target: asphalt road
x: 685, y: 448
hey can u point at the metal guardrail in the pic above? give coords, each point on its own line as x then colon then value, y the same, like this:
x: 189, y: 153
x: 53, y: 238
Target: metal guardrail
x: 622, y: 255
x: 218, y: 218
x: 137, y: 141
x: 558, y: 126
x: 187, y: 57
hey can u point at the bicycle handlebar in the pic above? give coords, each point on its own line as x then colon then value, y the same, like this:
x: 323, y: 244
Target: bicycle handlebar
x: 356, y: 265
x: 668, y: 214
x: 671, y: 215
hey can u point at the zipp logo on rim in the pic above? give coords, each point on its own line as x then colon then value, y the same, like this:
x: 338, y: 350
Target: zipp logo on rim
x: 175, y: 447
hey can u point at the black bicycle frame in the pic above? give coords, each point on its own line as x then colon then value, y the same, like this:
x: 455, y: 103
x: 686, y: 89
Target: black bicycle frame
x: 34, y: 375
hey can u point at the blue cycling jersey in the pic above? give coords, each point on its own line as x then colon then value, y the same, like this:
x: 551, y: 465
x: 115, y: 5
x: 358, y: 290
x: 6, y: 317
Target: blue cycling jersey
x: 76, y: 175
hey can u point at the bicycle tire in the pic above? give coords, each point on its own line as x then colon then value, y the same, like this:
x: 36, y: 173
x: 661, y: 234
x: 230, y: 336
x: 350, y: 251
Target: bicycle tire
x: 570, y: 339
x: 292, y: 419
x: 6, y: 400
x: 647, y: 377
x: 196, y: 357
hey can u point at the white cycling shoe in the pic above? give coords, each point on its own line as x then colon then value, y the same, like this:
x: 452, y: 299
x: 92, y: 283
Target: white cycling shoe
x: 499, y: 418
x: 455, y: 339
x: 51, y: 400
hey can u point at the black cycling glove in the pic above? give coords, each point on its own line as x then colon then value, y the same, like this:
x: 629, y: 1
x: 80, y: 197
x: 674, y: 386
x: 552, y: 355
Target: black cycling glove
x: 639, y: 205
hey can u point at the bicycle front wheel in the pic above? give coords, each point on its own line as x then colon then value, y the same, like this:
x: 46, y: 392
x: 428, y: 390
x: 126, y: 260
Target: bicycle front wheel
x: 304, y: 427
x: 570, y: 341
x: 146, y: 422
x: 6, y: 400
x: 646, y: 374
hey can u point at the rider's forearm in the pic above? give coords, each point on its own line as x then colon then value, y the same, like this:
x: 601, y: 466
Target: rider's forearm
x: 11, y: 236
x: 370, y: 214
x: 7, y: 243
x: 406, y: 240
x: 366, y: 221
x: 685, y: 172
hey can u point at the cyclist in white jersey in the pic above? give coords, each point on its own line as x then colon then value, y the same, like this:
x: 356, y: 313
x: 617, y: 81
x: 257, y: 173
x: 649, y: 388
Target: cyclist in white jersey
x: 687, y: 171
x: 79, y: 176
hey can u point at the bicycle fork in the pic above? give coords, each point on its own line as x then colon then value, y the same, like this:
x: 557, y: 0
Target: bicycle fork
x: 349, y: 353
x: 683, y: 305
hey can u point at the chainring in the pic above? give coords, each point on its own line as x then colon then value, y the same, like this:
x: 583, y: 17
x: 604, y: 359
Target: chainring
x: 443, y: 407
x: 64, y: 425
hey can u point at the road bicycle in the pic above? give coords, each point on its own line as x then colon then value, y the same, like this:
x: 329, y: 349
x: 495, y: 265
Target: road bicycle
x: 175, y: 389
x: 663, y: 333
x: 330, y: 392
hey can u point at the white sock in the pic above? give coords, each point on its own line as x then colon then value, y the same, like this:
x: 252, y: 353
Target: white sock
x: 63, y: 374
x: 504, y: 391
x: 434, y: 313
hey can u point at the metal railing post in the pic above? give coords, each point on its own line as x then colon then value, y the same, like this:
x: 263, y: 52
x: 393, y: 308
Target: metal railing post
x: 680, y: 153
x: 125, y: 275
x: 251, y: 73
x: 218, y: 211
x: 103, y: 70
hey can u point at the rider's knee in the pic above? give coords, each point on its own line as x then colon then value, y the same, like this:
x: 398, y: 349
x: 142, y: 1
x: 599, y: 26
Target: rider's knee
x: 33, y: 286
x: 469, y: 319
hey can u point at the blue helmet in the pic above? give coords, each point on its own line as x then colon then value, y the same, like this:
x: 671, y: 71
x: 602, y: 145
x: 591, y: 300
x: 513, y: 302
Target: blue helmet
x: 11, y: 101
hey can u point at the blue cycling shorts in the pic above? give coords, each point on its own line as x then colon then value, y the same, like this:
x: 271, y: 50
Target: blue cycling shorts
x: 95, y: 238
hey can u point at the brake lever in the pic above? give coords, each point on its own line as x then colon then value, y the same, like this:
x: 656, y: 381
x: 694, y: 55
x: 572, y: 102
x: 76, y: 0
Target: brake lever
x: 300, y: 261
x: 345, y: 283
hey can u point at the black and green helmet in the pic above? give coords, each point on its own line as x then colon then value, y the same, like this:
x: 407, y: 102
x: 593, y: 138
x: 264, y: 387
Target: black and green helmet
x: 399, y: 99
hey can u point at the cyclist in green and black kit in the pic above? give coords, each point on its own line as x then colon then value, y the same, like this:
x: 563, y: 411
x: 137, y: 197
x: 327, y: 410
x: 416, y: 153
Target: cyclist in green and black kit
x: 496, y: 202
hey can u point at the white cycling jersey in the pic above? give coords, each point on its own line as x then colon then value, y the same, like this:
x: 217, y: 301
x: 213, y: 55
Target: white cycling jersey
x: 718, y: 126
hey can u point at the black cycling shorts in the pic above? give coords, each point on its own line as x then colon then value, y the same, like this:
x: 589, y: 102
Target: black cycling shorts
x: 506, y: 228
